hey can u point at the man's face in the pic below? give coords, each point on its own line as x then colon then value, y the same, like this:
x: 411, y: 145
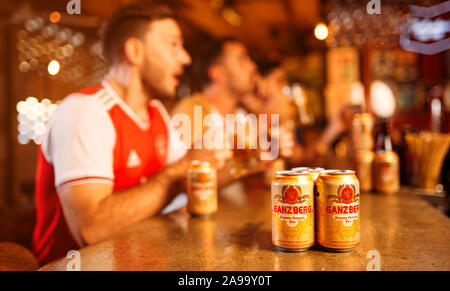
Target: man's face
x: 240, y: 70
x: 164, y: 58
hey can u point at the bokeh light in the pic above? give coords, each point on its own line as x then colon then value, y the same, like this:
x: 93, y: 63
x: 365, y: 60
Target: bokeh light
x: 382, y: 99
x: 32, y: 119
x: 321, y: 31
x: 53, y: 67
x: 55, y: 17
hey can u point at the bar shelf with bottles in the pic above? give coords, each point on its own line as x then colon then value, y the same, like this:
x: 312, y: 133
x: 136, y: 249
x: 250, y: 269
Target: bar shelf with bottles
x: 417, y: 161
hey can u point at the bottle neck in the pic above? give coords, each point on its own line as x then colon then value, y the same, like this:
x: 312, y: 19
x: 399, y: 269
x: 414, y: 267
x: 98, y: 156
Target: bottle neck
x: 384, y: 141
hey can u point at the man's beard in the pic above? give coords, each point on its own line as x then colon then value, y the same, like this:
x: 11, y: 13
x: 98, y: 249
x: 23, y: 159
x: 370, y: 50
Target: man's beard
x: 242, y: 91
x: 155, y: 90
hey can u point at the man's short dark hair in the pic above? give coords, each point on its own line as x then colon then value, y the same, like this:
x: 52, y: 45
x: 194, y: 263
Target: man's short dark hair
x: 208, y: 55
x: 130, y: 21
x: 266, y: 67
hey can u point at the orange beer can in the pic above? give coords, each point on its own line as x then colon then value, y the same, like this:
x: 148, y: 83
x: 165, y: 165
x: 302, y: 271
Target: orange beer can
x: 386, y: 172
x: 292, y: 211
x: 338, y: 210
x: 363, y: 169
x: 362, y: 131
x: 202, y: 188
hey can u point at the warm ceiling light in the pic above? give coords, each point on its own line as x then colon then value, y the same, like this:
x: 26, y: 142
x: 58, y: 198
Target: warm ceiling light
x: 53, y: 67
x: 321, y: 31
x: 55, y: 17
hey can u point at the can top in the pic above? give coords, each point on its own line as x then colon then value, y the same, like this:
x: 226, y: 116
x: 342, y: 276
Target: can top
x: 314, y: 169
x: 341, y: 172
x: 291, y: 173
x: 300, y: 169
x: 388, y: 155
x: 317, y: 169
x: 365, y: 155
x: 327, y: 172
x: 199, y: 164
x: 364, y: 115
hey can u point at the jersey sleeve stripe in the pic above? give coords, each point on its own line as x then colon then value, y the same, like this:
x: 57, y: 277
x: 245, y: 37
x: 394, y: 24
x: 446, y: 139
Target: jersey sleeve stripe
x: 84, y: 180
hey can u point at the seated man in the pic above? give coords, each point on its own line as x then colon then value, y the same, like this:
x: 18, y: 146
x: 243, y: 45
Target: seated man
x: 109, y: 158
x: 226, y: 74
x: 270, y: 98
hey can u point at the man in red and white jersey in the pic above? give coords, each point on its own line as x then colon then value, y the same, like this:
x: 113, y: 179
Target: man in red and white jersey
x: 110, y: 158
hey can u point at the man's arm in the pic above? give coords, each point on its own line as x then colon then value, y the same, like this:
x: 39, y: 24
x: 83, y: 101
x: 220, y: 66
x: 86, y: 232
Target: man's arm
x: 99, y: 213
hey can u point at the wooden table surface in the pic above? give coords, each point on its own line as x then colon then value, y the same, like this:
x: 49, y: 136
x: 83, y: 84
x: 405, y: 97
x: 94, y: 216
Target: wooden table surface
x: 406, y: 230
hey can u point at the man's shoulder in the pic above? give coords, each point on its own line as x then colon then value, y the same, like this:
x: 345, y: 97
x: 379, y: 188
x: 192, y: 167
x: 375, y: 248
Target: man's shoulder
x: 91, y: 90
x: 195, y: 99
x: 187, y: 104
x: 82, y: 108
x: 78, y: 116
x: 87, y: 100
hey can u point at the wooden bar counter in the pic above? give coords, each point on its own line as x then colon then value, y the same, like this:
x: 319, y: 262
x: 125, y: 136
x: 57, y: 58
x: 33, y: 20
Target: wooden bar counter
x: 407, y: 231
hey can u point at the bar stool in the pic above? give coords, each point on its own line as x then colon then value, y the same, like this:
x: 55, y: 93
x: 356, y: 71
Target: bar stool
x: 14, y: 257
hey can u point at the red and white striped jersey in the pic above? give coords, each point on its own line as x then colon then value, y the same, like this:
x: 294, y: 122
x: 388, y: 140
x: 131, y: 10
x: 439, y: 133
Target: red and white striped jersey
x: 94, y: 137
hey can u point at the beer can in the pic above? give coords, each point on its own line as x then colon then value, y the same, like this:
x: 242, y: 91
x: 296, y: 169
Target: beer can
x: 202, y: 188
x: 338, y: 210
x: 292, y: 211
x: 314, y: 172
x: 362, y: 131
x: 386, y: 172
x: 363, y: 169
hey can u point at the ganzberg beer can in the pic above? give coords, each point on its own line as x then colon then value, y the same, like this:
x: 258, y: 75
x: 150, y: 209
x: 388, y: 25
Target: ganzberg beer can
x: 363, y: 169
x: 386, y: 172
x: 293, y: 211
x: 202, y: 188
x: 362, y: 131
x: 337, y: 210
x: 314, y: 172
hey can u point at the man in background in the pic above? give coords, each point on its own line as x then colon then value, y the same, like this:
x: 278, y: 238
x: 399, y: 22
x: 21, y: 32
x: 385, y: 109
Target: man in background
x: 271, y: 99
x: 227, y: 74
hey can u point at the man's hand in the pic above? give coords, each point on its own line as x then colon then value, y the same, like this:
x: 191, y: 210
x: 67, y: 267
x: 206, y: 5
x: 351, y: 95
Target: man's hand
x: 270, y: 92
x: 253, y: 103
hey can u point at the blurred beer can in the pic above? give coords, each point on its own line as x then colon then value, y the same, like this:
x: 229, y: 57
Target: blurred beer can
x: 202, y: 188
x: 362, y: 131
x: 363, y: 169
x: 386, y: 172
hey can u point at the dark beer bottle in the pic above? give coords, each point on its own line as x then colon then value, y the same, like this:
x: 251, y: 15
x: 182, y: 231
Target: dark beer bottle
x: 383, y: 140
